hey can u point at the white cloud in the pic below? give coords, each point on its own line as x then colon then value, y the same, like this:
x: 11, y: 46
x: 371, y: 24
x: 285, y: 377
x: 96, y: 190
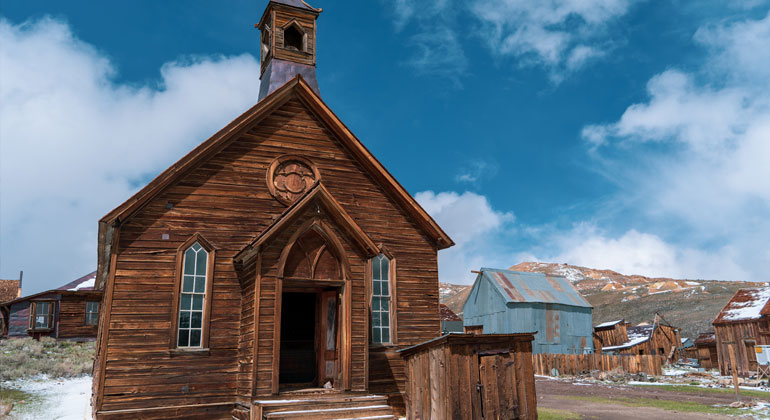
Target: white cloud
x: 74, y: 143
x: 700, y: 148
x: 476, y: 228
x: 561, y: 35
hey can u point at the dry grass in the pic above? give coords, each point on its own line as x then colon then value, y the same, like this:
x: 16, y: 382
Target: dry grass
x: 25, y: 357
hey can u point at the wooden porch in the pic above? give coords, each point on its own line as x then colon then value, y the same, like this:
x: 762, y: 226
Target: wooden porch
x: 317, y: 404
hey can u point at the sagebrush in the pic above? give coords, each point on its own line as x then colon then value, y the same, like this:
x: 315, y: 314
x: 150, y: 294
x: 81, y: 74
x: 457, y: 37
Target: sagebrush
x: 26, y: 357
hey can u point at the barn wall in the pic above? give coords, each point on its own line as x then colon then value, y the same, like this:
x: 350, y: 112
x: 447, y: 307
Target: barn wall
x: 560, y: 328
x: 742, y: 336
x: 226, y: 200
x: 19, y: 317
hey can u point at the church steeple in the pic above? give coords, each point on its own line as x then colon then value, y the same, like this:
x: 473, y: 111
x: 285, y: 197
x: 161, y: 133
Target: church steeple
x: 288, y: 47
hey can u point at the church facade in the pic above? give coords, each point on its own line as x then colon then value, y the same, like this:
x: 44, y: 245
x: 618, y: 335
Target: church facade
x: 279, y: 256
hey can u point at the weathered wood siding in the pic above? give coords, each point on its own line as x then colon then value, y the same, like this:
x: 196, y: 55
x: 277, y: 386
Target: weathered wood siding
x: 443, y: 378
x: 226, y: 199
x: 72, y: 317
x: 742, y: 336
x: 581, y: 364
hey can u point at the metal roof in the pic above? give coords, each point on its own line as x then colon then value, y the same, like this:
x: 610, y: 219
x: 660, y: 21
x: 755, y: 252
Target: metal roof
x: 296, y: 3
x: 84, y: 283
x: 746, y: 305
x: 519, y: 287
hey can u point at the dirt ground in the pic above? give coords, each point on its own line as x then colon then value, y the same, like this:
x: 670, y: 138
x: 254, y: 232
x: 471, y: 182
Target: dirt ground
x: 554, y: 394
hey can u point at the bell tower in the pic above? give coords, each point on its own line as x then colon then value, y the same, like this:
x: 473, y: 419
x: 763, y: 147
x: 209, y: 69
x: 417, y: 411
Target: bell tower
x: 288, y: 44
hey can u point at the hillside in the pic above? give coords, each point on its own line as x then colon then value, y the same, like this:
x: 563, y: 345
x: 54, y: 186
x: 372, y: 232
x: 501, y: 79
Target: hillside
x: 688, y: 304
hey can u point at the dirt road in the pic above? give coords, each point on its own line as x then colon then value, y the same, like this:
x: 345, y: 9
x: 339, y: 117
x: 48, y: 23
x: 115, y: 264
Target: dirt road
x: 590, y: 401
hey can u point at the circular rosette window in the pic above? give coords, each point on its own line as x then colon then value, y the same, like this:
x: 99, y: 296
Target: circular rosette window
x: 289, y: 177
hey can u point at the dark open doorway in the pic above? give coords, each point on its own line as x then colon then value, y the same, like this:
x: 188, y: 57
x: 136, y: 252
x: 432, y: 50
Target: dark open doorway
x: 298, y: 366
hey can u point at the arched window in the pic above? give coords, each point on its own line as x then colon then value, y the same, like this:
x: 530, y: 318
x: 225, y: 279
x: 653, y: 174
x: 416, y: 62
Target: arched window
x: 381, y: 300
x: 194, y: 290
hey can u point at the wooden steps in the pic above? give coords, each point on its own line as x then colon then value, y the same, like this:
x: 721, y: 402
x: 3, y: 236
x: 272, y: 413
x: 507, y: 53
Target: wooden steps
x: 360, y: 407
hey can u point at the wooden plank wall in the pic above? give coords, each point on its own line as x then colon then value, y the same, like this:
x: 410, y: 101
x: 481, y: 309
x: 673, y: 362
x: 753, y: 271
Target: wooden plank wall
x: 577, y: 364
x: 742, y: 336
x: 226, y: 199
x: 72, y: 316
x: 443, y: 378
x: 614, y: 336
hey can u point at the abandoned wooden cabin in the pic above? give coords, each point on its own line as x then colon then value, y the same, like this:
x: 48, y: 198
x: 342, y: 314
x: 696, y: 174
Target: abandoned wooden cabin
x: 9, y: 290
x: 706, y: 350
x: 69, y: 312
x: 657, y: 338
x: 610, y: 333
x: 507, y: 302
x: 278, y: 264
x: 467, y: 376
x: 450, y: 322
x: 742, y: 324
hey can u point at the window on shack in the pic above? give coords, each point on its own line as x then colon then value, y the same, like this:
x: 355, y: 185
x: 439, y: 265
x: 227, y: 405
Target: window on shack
x: 41, y: 315
x: 92, y: 313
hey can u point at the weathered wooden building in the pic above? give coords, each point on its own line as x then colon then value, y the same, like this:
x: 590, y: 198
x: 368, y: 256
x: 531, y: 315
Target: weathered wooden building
x: 450, y: 322
x: 706, y: 350
x: 742, y: 324
x: 507, y: 302
x: 657, y: 338
x: 277, y: 256
x: 9, y: 290
x: 70, y: 312
x: 466, y: 376
x: 611, y: 333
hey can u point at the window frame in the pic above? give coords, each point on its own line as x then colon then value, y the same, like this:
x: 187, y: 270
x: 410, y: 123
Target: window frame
x: 393, y: 305
x: 51, y: 314
x: 178, y: 278
x: 86, y: 313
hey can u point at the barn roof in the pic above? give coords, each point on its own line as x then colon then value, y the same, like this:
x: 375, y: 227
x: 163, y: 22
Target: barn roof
x: 84, y: 283
x: 519, y: 287
x: 448, y: 314
x: 609, y: 324
x: 705, y: 339
x: 636, y: 335
x: 745, y: 305
x: 296, y: 3
x: 9, y: 290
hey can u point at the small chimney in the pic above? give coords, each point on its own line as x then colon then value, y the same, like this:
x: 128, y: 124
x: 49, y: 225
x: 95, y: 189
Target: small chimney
x: 288, y: 47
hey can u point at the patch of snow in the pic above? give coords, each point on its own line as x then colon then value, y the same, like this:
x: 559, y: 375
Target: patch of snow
x: 662, y: 291
x: 60, y: 399
x: 692, y: 283
x: 85, y: 284
x: 609, y: 323
x: 749, y: 309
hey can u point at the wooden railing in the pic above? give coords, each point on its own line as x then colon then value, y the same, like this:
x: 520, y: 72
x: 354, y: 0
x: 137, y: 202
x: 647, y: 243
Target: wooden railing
x: 577, y: 364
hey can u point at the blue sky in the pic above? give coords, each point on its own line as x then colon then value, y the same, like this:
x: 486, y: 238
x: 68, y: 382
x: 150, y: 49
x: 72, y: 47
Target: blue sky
x: 630, y: 135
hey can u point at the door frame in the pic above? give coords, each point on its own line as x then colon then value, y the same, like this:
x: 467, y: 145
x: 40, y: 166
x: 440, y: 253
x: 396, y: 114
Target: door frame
x: 344, y: 322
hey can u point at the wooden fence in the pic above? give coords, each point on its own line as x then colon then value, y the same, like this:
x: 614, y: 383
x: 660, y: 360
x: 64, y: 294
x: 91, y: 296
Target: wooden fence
x: 576, y: 364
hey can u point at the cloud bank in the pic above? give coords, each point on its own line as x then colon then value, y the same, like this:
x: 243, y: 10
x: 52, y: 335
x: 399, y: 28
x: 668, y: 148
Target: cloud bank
x: 74, y: 143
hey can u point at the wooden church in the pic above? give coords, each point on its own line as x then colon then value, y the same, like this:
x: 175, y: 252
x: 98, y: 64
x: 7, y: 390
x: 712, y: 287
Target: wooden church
x: 278, y: 259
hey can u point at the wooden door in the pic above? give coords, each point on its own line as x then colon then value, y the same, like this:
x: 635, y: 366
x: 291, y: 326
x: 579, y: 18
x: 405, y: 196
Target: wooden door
x: 497, y: 386
x: 328, y: 354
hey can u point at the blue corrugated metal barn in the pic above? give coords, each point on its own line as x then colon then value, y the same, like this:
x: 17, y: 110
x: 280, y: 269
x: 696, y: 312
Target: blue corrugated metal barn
x: 504, y: 301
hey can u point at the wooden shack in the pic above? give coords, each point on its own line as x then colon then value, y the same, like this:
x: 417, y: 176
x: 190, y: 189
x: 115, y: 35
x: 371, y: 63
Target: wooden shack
x: 450, y: 322
x: 507, y: 302
x: 742, y: 324
x: 9, y: 290
x: 279, y: 257
x: 658, y: 338
x: 611, y: 333
x: 467, y: 376
x: 706, y: 350
x: 69, y: 312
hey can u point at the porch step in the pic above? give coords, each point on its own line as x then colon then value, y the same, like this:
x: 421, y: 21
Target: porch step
x: 361, y: 407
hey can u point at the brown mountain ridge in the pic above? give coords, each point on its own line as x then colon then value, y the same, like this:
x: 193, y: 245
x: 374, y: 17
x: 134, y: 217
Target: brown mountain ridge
x: 688, y: 304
